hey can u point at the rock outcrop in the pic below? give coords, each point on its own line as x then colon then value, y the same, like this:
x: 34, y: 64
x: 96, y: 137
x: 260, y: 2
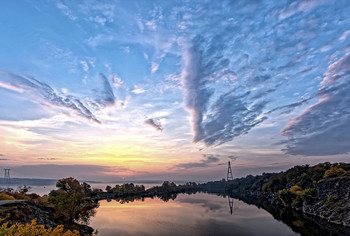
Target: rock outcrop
x: 24, y: 212
x: 333, y: 201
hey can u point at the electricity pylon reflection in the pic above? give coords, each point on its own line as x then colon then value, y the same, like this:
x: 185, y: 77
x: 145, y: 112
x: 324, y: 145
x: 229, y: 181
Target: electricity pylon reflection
x: 230, y: 203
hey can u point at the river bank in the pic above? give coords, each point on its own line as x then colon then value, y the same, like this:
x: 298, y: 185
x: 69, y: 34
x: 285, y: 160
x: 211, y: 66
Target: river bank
x: 313, y: 191
x: 23, y: 212
x: 319, y: 194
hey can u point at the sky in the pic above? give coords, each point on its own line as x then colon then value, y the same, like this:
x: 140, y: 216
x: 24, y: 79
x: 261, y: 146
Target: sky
x: 172, y: 90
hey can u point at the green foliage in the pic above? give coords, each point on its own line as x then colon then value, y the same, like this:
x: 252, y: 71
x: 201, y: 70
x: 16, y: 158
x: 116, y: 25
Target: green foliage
x: 87, y: 189
x: 297, y: 201
x: 275, y: 183
x: 295, y: 197
x: 304, y: 176
x: 286, y: 197
x: 167, y: 186
x: 127, y: 189
x: 70, y: 202
x: 309, y: 195
x: 70, y: 185
x: 34, y: 229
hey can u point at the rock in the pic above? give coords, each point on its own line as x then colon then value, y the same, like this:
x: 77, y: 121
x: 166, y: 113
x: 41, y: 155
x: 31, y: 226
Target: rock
x: 338, y: 187
x: 24, y: 212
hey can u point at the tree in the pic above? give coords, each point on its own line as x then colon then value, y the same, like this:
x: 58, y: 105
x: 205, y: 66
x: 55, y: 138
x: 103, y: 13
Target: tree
x: 109, y: 189
x: 70, y: 185
x: 24, y: 189
x: 334, y: 172
x: 87, y: 189
x: 70, y: 202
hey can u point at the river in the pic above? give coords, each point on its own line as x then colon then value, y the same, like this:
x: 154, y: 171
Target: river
x: 196, y: 214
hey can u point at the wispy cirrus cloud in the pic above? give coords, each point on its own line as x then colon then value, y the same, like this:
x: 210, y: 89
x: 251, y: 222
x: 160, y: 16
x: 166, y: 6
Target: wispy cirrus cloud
x: 323, y: 128
x: 101, y: 13
x: 231, y: 81
x: 66, y: 10
x: 47, y: 158
x: 78, y: 171
x: 230, y: 115
x: 44, y: 93
x: 95, y: 41
x: 3, y: 159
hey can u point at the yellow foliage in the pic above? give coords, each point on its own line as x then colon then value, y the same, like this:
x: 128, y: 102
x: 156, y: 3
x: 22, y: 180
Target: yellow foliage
x: 34, y: 229
x: 4, y: 196
x: 44, y: 200
x: 333, y: 172
x: 18, y: 195
x: 295, y: 189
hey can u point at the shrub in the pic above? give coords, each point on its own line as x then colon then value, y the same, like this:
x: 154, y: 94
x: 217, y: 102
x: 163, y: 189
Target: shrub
x: 34, y: 229
x: 332, y: 198
x: 4, y: 196
x: 334, y: 172
x: 296, y: 189
x: 286, y: 197
x: 295, y: 197
x: 297, y: 201
x: 309, y: 195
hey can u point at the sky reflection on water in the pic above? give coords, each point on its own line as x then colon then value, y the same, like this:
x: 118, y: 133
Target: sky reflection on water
x: 198, y: 214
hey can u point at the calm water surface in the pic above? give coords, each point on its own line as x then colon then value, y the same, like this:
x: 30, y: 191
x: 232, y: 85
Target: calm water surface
x: 197, y: 214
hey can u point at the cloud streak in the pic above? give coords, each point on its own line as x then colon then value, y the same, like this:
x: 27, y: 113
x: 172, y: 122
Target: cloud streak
x: 77, y: 171
x: 154, y: 123
x: 207, y: 160
x: 106, y: 95
x: 235, y: 77
x: 215, y: 122
x: 45, y: 94
x: 323, y: 128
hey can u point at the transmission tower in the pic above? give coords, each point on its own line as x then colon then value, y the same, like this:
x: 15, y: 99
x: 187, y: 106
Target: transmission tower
x: 7, y: 173
x: 229, y: 172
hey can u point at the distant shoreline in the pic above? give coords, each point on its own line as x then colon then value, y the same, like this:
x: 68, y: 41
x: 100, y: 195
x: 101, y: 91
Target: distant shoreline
x: 26, y: 181
x: 45, y: 182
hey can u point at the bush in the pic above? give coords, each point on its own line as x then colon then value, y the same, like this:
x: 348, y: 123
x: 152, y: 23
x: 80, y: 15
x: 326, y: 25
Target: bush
x: 4, y: 196
x: 309, y: 195
x: 332, y: 198
x: 334, y: 172
x: 295, y: 197
x: 296, y: 189
x: 34, y: 229
x: 286, y: 197
x: 297, y: 201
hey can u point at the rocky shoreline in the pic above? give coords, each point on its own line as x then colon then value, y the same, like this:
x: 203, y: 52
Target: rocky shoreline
x: 25, y: 211
x: 326, y: 200
x: 332, y: 202
x: 300, y: 193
